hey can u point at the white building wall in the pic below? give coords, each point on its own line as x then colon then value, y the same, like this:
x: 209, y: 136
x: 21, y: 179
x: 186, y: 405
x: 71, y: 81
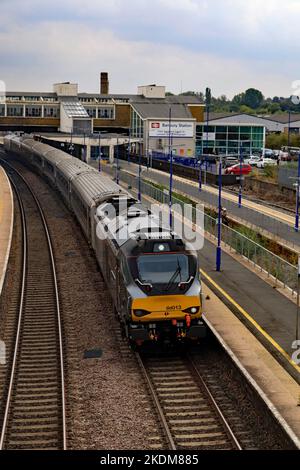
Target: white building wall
x: 152, y: 91
x: 65, y: 89
x: 181, y: 146
x: 66, y: 123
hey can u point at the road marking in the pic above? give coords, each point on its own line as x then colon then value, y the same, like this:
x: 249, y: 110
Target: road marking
x: 252, y: 321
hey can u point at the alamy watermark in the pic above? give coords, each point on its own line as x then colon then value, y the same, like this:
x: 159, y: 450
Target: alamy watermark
x: 187, y: 222
x: 296, y: 355
x: 2, y: 353
x: 295, y: 98
x: 2, y: 91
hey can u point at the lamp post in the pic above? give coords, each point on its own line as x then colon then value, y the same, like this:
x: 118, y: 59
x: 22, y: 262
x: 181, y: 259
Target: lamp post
x: 84, y: 152
x: 289, y: 131
x: 200, y: 176
x: 208, y: 103
x: 241, y: 175
x: 219, y: 250
x: 71, y: 143
x: 171, y: 168
x: 297, y: 197
x: 117, y: 176
x: 298, y: 298
x: 140, y: 172
x: 128, y: 154
x: 99, y: 168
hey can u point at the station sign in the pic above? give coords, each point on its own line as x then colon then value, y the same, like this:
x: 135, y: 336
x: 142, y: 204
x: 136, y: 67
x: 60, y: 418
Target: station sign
x: 179, y: 129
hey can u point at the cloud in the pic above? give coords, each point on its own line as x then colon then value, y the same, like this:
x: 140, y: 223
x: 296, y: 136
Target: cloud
x: 228, y: 44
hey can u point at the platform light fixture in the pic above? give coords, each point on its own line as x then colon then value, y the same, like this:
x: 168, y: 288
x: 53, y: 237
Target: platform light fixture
x: 219, y: 249
x: 171, y: 168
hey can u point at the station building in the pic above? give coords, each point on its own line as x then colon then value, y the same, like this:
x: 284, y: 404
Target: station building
x: 227, y: 133
x: 143, y: 117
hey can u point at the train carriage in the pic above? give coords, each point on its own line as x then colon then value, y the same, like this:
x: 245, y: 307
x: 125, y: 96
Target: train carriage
x: 89, y: 189
x: 151, y: 273
x: 66, y: 171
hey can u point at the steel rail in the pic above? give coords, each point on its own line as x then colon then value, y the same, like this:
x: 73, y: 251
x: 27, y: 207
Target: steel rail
x: 21, y: 308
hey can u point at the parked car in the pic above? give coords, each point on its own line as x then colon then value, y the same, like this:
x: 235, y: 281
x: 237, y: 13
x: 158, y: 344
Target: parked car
x: 230, y: 161
x: 263, y: 162
x: 236, y: 170
x: 252, y: 160
x: 267, y: 153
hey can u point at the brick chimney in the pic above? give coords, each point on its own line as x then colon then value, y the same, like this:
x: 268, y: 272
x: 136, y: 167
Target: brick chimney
x: 104, y: 83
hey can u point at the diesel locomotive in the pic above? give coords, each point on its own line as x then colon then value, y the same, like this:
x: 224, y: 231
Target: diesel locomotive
x: 152, y: 275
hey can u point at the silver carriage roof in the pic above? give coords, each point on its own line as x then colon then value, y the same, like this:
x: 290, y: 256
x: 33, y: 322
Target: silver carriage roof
x: 95, y: 188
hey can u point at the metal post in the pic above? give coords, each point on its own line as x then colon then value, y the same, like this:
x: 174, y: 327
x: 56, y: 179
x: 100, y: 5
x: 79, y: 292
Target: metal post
x: 200, y: 176
x: 99, y: 152
x: 219, y: 251
x: 140, y: 171
x: 298, y: 299
x: 241, y: 176
x: 208, y: 102
x: 117, y: 178
x: 289, y: 131
x: 171, y: 168
x: 128, y: 156
x: 84, y: 152
x: 71, y: 143
x: 297, y: 197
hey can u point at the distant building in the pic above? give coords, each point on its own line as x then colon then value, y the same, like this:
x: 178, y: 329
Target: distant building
x: 227, y: 130
x: 144, y: 116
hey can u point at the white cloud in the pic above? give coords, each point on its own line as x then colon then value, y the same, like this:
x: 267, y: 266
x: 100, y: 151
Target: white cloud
x: 227, y: 44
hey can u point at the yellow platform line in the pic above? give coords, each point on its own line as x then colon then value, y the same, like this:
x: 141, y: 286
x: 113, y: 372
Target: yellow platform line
x: 252, y: 321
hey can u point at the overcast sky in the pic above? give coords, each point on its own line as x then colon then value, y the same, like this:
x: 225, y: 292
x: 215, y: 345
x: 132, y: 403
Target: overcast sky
x: 229, y: 45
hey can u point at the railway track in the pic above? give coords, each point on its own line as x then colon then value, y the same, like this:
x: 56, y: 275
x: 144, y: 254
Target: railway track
x: 34, y: 413
x: 189, y: 415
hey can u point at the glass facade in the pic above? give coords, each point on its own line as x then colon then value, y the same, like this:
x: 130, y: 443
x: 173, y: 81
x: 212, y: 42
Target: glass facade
x: 16, y: 111
x: 50, y: 111
x: 106, y: 113
x: 33, y: 111
x: 226, y: 140
x: 137, y: 125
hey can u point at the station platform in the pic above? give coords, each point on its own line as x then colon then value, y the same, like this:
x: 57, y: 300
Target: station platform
x: 6, y: 223
x: 279, y: 391
x: 256, y: 326
x: 270, y: 221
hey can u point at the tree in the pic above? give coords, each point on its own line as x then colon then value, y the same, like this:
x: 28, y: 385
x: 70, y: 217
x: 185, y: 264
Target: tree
x: 188, y: 93
x: 245, y: 109
x: 253, y: 98
x: 238, y: 100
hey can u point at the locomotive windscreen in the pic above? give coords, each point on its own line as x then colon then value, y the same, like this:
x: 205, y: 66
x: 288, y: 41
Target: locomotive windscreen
x: 167, y: 269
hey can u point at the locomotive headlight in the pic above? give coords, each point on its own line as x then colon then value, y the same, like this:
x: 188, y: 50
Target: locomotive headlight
x: 141, y: 313
x: 192, y: 310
